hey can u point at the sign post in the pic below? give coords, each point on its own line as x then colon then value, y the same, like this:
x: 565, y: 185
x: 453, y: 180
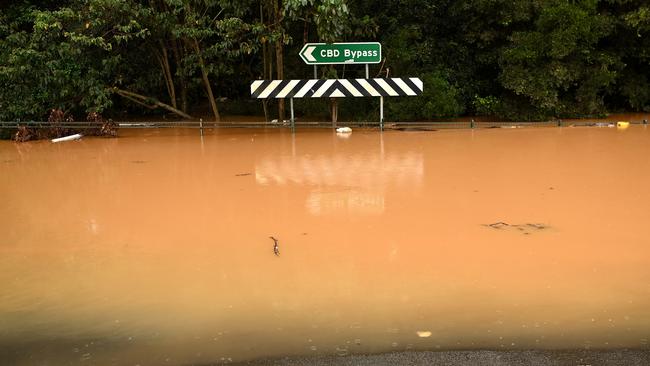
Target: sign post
x: 381, y: 113
x: 363, y: 53
x: 343, y: 53
x: 293, y: 120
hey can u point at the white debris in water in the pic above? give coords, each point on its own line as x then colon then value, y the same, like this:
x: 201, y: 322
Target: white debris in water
x: 423, y: 333
x: 343, y: 130
x: 76, y: 136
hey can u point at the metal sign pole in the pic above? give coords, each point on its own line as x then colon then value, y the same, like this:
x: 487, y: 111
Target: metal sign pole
x: 381, y: 113
x: 315, y: 72
x: 367, y: 72
x: 293, y: 121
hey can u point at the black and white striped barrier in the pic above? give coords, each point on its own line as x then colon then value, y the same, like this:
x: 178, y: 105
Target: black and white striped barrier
x: 336, y: 88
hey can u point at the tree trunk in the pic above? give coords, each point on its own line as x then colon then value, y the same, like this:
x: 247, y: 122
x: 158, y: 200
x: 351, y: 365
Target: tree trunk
x: 268, y: 74
x: 206, y: 82
x: 265, y: 77
x: 279, y: 61
x: 148, y: 102
x: 266, y: 64
x: 167, y: 72
x: 305, y: 32
x: 179, y: 50
x: 170, y: 77
x: 335, y: 111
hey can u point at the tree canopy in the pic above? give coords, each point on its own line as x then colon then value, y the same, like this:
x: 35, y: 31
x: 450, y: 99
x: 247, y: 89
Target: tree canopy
x: 517, y: 59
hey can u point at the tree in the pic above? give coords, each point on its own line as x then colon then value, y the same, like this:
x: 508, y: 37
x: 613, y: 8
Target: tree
x: 558, y: 64
x: 47, y: 65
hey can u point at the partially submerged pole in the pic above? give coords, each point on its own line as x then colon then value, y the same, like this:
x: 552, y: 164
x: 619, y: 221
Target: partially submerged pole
x: 381, y: 113
x: 293, y: 120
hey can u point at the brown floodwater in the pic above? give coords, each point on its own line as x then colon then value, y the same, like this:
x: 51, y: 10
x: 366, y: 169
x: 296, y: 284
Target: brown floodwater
x: 154, y: 249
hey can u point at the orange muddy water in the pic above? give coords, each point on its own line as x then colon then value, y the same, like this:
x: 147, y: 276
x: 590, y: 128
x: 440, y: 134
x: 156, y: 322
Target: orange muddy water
x: 154, y: 249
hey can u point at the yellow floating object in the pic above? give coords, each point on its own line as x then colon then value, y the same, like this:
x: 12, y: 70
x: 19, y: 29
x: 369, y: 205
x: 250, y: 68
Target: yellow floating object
x: 622, y: 124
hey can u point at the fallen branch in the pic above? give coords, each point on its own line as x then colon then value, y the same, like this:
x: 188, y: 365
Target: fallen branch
x: 148, y: 106
x: 149, y: 102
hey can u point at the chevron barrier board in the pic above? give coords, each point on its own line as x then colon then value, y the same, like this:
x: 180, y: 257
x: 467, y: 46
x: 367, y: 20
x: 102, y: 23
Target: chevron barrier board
x: 337, y: 88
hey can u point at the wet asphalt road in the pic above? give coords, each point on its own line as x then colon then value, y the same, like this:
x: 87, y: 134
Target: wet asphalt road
x: 474, y: 358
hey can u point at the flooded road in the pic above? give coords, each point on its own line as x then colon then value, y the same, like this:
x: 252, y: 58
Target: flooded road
x: 154, y: 248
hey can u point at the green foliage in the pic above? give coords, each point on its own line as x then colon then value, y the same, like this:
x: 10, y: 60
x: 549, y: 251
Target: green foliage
x: 558, y: 64
x: 521, y: 59
x: 331, y: 17
x: 62, y: 58
x: 487, y: 106
x: 440, y: 99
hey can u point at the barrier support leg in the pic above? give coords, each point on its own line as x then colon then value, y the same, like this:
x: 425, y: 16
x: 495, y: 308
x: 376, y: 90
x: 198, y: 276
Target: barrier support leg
x: 381, y: 113
x: 293, y: 120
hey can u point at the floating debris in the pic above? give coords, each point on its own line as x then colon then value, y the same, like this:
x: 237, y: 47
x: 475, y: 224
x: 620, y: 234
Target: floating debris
x: 525, y: 229
x: 537, y: 226
x: 76, y: 136
x: 622, y: 125
x: 344, y: 130
x: 498, y: 225
x: 139, y: 161
x: 276, y: 248
x: 243, y: 174
x: 423, y: 333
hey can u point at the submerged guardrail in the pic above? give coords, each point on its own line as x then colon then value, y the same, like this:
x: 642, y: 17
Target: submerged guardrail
x: 308, y: 124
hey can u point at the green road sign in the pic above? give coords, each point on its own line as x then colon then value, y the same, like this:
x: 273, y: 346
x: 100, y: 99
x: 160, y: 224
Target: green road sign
x: 341, y: 53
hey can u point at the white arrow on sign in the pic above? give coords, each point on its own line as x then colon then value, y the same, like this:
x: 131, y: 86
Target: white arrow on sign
x: 308, y: 53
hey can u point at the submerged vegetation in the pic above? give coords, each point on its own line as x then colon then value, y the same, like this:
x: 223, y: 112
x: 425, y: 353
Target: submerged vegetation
x: 59, y: 125
x: 519, y: 59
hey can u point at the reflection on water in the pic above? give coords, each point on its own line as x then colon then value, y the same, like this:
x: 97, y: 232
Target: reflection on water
x: 360, y: 170
x: 154, y: 248
x: 358, y: 202
x: 351, y: 183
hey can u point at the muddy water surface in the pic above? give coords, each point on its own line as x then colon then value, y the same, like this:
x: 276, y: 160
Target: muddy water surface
x: 154, y: 248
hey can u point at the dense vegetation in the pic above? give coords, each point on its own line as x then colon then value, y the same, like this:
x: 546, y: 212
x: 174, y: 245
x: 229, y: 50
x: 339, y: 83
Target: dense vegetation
x: 514, y: 59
